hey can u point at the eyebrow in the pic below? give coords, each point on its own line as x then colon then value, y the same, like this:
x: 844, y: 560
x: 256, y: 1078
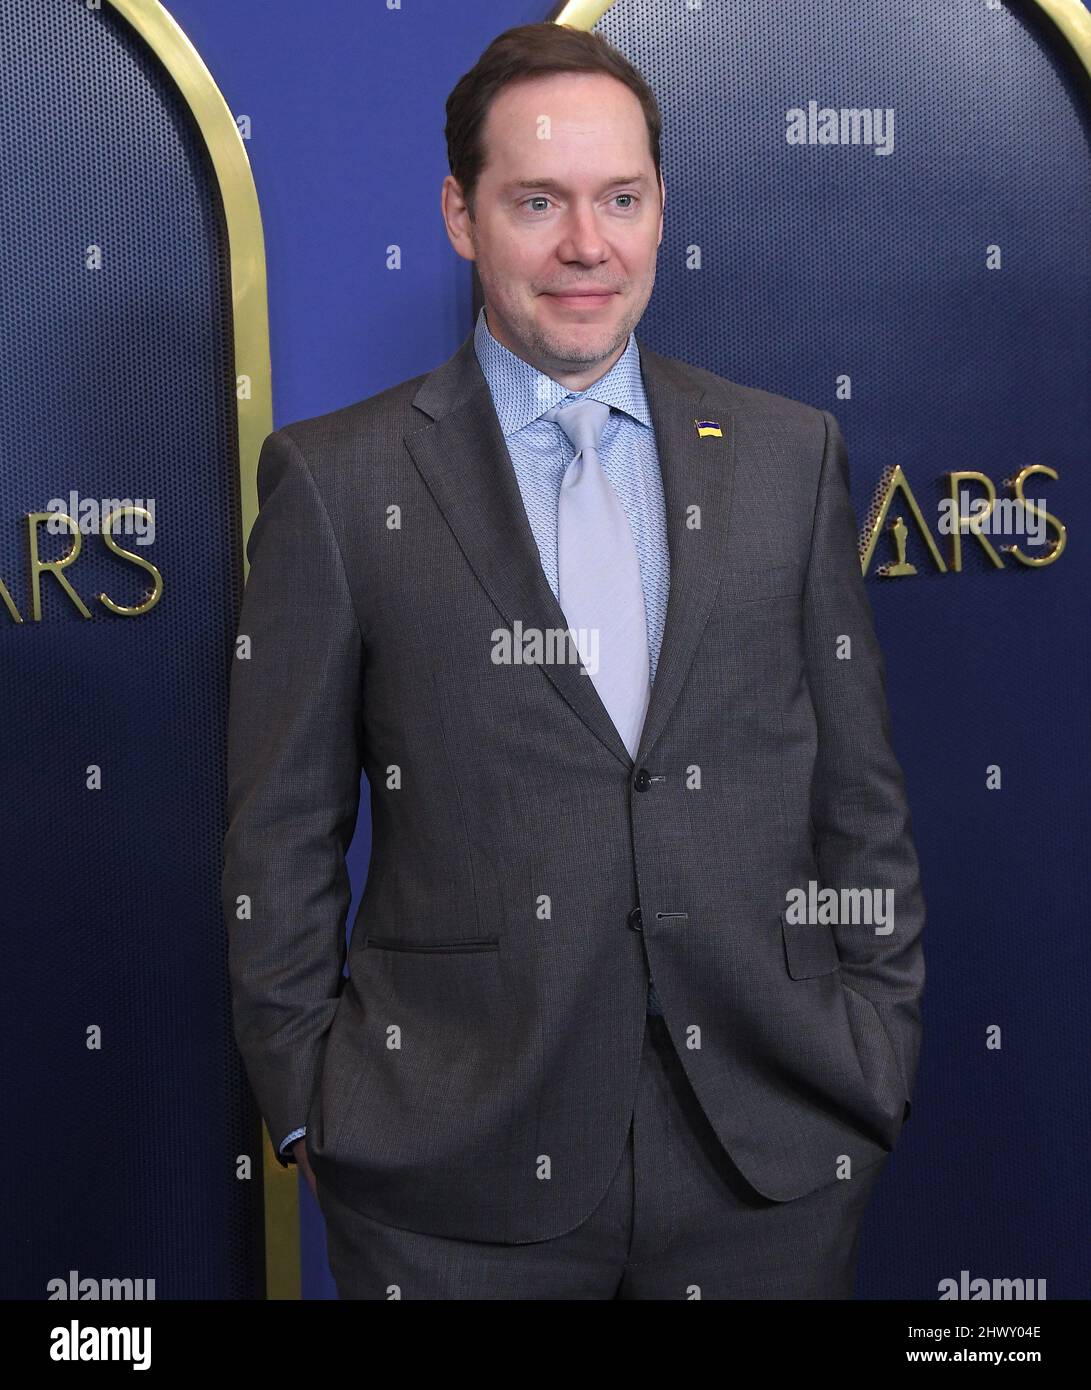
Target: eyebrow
x: 556, y: 185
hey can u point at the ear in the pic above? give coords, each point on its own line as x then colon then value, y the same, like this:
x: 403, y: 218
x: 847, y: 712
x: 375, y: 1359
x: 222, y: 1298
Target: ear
x: 456, y: 218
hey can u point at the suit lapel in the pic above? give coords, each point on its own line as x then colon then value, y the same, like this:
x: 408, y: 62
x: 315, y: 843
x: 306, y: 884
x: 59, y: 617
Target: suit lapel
x: 463, y: 460
x: 697, y: 478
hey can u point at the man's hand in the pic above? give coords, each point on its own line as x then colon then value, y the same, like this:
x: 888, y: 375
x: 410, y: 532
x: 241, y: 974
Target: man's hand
x: 299, y: 1149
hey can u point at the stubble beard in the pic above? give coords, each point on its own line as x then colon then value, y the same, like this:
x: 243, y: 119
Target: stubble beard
x: 553, y: 345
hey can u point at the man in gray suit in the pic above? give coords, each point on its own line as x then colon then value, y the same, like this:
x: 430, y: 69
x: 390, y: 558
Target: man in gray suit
x: 633, y: 1007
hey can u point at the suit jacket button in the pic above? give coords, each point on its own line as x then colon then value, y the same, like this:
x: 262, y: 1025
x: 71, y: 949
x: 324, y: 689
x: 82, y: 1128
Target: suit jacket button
x: 643, y: 781
x: 635, y: 920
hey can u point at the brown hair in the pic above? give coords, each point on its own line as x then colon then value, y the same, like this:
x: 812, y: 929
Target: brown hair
x: 531, y: 50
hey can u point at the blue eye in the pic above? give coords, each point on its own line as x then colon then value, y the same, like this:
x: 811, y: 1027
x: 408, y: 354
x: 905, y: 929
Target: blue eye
x: 542, y: 198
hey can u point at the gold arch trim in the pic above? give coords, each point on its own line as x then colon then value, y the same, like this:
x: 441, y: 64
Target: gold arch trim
x: 254, y: 418
x: 582, y: 14
x: 1073, y: 21
x: 1071, y: 18
x: 246, y: 241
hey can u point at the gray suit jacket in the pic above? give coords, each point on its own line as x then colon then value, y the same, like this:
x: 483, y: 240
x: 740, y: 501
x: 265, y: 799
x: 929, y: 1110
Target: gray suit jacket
x: 475, y: 1075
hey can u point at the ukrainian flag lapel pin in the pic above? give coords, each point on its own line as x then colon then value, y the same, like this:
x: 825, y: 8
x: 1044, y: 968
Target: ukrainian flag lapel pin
x: 709, y: 429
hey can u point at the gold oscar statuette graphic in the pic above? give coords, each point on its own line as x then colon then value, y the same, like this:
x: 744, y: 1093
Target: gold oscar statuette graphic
x: 894, y: 481
x: 901, y: 565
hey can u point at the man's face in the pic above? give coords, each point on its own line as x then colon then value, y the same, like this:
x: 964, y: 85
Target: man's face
x: 567, y: 201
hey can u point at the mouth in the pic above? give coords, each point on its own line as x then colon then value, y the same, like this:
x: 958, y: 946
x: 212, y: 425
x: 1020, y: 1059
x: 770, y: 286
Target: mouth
x: 579, y: 299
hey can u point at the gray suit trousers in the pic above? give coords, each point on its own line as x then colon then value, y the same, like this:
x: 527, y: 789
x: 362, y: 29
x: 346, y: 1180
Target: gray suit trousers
x: 678, y: 1221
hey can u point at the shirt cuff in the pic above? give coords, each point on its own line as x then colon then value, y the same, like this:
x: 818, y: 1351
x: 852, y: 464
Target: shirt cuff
x: 290, y: 1139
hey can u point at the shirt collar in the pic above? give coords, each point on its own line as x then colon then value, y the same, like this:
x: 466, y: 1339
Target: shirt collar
x: 521, y: 392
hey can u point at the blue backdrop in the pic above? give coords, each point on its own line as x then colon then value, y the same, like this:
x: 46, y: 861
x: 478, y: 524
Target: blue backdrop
x: 815, y: 265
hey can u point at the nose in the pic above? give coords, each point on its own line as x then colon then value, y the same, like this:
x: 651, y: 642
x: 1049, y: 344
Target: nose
x: 582, y: 239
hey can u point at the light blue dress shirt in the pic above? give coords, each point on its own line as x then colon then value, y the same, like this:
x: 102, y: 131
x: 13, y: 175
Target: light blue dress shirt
x: 540, y: 452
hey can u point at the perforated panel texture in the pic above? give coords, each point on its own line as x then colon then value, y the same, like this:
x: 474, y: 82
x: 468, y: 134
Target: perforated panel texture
x: 116, y: 382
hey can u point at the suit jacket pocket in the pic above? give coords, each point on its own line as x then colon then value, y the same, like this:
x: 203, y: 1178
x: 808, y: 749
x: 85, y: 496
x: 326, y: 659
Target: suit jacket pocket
x: 393, y: 943
x: 769, y: 581
x: 875, y: 1051
x: 808, y: 949
x: 422, y: 1069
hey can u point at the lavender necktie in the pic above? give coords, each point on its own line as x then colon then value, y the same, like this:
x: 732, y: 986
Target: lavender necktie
x: 598, y: 572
